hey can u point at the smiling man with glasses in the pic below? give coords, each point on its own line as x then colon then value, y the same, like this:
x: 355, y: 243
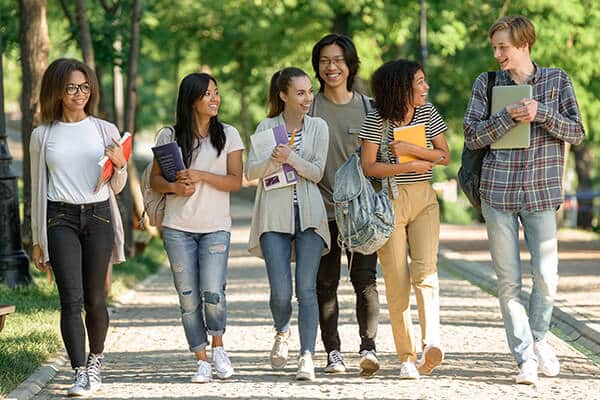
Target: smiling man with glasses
x: 335, y: 61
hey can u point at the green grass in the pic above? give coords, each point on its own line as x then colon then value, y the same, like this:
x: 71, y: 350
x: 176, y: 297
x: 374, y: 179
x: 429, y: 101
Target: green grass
x: 31, y: 335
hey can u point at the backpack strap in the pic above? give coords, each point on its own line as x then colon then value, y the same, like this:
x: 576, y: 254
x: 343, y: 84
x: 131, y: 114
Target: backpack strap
x: 313, y: 106
x: 388, y: 181
x: 491, y: 81
x: 367, y: 103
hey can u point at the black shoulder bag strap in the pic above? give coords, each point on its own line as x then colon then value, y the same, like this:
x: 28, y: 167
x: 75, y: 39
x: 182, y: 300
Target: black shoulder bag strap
x: 491, y: 81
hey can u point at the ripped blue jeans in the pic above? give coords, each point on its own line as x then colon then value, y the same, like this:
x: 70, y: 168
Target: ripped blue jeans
x: 199, y: 266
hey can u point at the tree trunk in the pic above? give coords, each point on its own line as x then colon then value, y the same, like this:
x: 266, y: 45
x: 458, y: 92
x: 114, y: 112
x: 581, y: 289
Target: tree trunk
x: 341, y: 24
x: 118, y: 101
x: 423, y: 33
x: 584, y: 165
x: 85, y: 36
x: 35, y: 46
x: 105, y: 110
x: 126, y: 197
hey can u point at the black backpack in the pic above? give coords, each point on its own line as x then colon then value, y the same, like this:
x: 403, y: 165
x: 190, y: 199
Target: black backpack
x: 469, y: 174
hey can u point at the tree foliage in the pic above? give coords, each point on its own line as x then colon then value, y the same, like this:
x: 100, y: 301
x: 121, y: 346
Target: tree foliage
x: 243, y: 42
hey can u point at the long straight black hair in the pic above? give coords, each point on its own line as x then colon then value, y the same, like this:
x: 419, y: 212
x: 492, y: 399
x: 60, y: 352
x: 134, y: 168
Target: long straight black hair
x: 192, y: 87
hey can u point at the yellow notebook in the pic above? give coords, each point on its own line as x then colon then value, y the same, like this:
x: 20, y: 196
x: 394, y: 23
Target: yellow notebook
x: 414, y: 134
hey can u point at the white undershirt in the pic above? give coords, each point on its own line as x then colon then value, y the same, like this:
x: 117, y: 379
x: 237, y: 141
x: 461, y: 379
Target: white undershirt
x: 72, y: 154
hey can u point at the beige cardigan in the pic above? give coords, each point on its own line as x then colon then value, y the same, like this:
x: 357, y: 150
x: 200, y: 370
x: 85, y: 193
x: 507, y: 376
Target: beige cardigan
x: 274, y: 210
x: 39, y: 189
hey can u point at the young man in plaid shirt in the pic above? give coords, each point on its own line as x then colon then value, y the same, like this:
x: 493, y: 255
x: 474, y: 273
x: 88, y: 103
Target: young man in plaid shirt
x: 524, y: 185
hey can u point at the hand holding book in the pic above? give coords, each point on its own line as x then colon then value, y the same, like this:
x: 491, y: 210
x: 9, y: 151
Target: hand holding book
x: 116, y: 154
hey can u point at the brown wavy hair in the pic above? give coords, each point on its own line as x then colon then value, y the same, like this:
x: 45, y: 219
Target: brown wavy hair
x: 53, y: 88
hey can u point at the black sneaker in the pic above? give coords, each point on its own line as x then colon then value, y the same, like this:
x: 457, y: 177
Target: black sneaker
x: 335, y: 363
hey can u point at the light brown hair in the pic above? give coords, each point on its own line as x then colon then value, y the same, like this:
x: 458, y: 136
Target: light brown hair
x: 53, y: 88
x: 521, y: 30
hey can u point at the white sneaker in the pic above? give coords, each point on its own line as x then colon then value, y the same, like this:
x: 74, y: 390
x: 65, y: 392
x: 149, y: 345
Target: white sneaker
x: 81, y: 386
x: 368, y: 363
x: 408, y: 370
x: 547, y: 362
x: 279, y: 352
x: 94, y: 367
x: 306, y: 368
x: 222, y: 363
x: 203, y: 372
x: 432, y: 357
x: 527, y: 373
x: 335, y: 363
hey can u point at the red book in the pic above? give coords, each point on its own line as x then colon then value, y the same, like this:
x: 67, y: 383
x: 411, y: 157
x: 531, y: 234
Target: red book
x: 106, y: 165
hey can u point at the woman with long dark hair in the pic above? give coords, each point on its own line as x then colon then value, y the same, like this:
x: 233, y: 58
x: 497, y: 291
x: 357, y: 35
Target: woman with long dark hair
x: 197, y: 222
x: 76, y: 230
x: 400, y: 92
x: 290, y: 223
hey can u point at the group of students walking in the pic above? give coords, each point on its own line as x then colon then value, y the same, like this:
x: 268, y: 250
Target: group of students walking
x: 79, y: 232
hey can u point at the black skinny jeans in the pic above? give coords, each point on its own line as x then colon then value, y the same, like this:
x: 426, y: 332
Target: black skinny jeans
x: 80, y: 239
x: 363, y: 275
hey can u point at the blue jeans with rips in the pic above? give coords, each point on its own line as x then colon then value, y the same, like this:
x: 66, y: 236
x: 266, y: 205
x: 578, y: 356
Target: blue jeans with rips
x: 540, y: 236
x: 199, y: 266
x: 277, y: 250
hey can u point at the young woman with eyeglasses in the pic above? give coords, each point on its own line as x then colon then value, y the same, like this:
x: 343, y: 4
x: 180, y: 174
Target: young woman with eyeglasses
x: 76, y: 231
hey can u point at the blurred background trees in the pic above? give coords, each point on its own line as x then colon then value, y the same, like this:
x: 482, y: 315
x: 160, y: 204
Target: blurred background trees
x: 140, y: 59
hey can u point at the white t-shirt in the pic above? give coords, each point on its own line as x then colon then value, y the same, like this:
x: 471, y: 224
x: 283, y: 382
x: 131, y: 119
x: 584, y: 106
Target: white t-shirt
x: 72, y: 154
x: 207, y: 210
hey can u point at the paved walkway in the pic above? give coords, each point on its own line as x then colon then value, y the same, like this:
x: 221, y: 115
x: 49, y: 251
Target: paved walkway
x: 147, y: 355
x: 578, y: 298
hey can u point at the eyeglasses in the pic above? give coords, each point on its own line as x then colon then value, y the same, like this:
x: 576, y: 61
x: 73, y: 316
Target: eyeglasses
x: 338, y: 61
x: 72, y: 88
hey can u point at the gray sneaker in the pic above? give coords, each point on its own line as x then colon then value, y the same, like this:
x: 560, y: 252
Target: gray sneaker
x: 335, y: 363
x: 368, y: 363
x: 94, y: 367
x: 279, y: 352
x: 81, y: 386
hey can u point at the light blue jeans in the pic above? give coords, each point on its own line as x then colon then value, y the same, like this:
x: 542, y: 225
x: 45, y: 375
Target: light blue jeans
x: 540, y: 237
x: 199, y: 266
x: 277, y: 250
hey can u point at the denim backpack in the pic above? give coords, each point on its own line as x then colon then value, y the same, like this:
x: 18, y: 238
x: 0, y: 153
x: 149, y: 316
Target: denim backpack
x: 365, y: 218
x: 469, y: 174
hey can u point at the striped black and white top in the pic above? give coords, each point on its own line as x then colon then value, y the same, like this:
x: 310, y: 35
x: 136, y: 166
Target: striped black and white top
x: 297, y: 144
x: 372, y: 129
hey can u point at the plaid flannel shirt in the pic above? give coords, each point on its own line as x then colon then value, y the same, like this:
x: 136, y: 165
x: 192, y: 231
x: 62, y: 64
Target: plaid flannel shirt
x: 525, y: 179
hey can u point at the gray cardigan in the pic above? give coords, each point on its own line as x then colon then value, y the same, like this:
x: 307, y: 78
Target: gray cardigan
x: 39, y: 188
x: 274, y: 209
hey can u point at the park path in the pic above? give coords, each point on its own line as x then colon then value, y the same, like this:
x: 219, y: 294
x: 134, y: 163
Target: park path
x: 147, y: 355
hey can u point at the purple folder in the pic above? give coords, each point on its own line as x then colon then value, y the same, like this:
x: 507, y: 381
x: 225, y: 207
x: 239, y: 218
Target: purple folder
x: 281, y: 138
